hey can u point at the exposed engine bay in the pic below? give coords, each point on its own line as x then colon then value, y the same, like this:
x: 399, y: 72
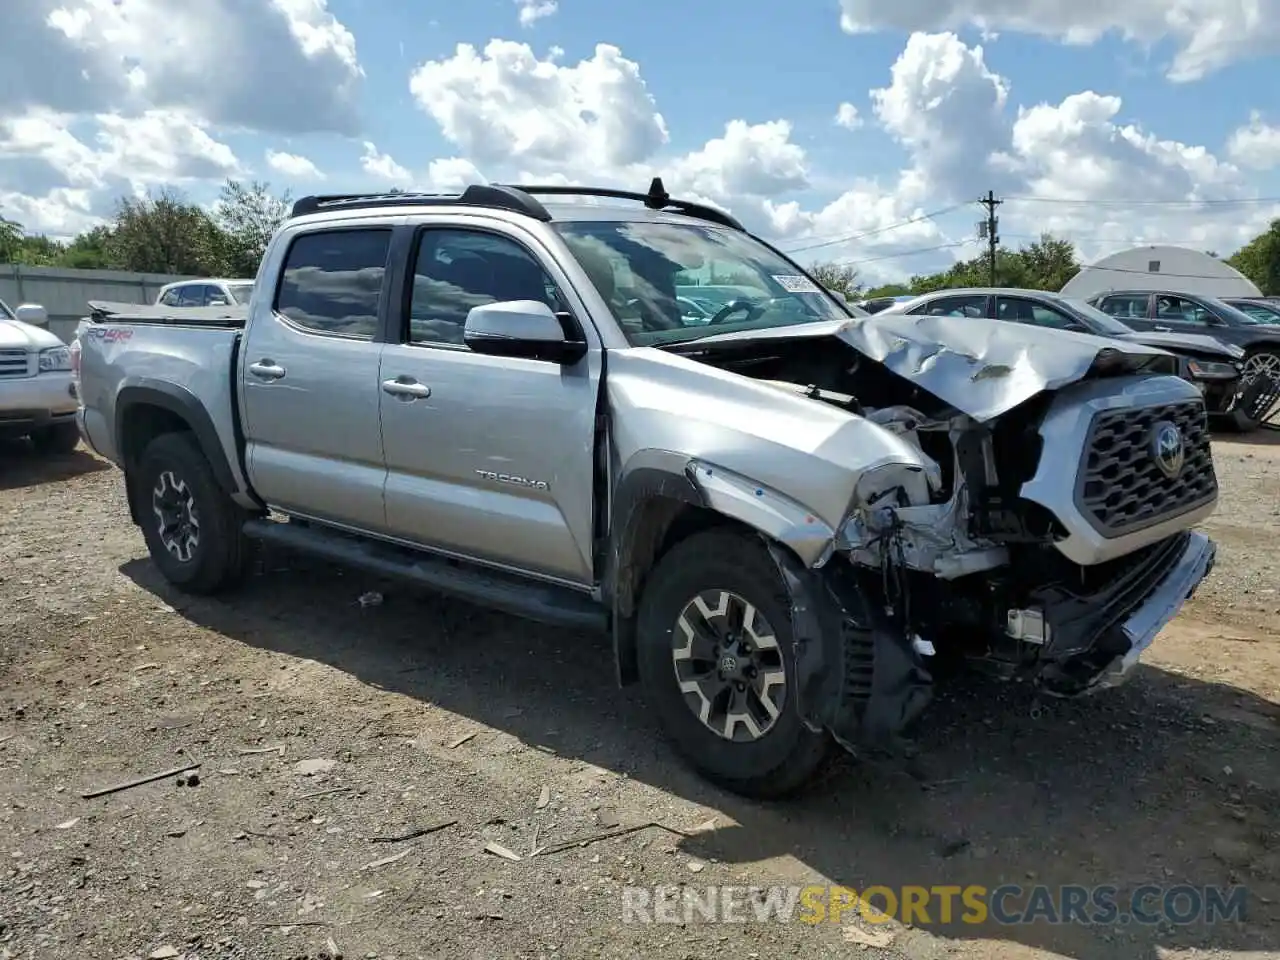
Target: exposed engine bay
x: 951, y: 563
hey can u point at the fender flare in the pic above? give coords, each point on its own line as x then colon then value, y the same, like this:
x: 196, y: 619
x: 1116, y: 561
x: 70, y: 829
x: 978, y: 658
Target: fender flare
x: 178, y: 400
x: 679, y: 479
x: 655, y: 475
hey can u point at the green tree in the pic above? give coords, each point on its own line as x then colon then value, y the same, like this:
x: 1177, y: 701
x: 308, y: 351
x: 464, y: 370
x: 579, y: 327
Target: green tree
x: 91, y: 250
x: 11, y: 239
x: 248, y: 215
x: 1049, y: 262
x: 165, y: 234
x: 840, y: 277
x: 1259, y: 260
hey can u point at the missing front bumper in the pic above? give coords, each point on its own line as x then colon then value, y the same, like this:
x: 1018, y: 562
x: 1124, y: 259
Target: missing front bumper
x: 1145, y: 624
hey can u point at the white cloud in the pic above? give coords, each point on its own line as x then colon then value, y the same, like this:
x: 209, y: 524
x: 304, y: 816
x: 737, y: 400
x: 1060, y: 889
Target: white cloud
x: 847, y: 116
x: 947, y: 108
x: 1208, y: 34
x: 504, y: 105
x: 62, y: 212
x: 1256, y: 145
x: 68, y: 176
x: 293, y: 165
x: 378, y: 164
x: 749, y: 160
x: 156, y: 147
x: 275, y: 65
x: 531, y: 11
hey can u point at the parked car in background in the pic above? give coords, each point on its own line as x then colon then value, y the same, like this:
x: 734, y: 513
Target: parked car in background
x: 1213, y: 366
x: 37, y: 393
x: 1164, y: 311
x: 781, y: 516
x: 879, y: 304
x: 205, y: 293
x: 1265, y: 310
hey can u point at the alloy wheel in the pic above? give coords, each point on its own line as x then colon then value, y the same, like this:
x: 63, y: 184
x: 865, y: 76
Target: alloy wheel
x: 728, y: 665
x: 177, y: 521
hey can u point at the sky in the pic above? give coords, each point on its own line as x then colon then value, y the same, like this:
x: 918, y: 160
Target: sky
x: 853, y: 131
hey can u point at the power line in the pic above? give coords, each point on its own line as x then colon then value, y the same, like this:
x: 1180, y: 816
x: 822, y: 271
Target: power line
x: 1144, y: 203
x: 907, y: 253
x: 879, y: 230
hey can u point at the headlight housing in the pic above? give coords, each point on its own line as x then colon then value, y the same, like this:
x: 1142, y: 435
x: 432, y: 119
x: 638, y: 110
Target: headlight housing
x: 1212, y: 370
x: 53, y: 359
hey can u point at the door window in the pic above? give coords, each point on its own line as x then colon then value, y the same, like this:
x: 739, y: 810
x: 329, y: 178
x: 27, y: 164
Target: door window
x: 1125, y: 306
x: 1034, y: 314
x: 972, y: 305
x: 1182, y: 310
x: 192, y: 295
x: 456, y: 270
x: 171, y: 298
x: 332, y: 281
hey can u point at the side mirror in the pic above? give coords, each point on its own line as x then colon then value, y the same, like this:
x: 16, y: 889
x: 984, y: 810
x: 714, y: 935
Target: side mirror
x: 33, y: 313
x: 219, y: 302
x: 520, y: 328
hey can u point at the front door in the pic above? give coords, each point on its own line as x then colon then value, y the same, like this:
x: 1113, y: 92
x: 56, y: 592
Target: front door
x: 489, y: 458
x: 309, y: 375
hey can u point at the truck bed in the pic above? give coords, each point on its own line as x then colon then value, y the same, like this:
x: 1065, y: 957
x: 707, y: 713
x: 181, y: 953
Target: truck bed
x: 105, y: 311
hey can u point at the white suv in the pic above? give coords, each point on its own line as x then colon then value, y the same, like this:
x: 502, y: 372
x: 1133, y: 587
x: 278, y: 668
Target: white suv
x: 37, y: 391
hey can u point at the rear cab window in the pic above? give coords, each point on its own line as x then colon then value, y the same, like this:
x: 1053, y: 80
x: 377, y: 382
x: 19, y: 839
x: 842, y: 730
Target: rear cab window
x: 332, y: 281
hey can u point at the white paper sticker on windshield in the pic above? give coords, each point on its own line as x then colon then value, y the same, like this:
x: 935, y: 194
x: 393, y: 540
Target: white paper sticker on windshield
x: 797, y: 284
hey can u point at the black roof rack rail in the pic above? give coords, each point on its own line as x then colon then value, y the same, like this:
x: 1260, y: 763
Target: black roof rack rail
x: 656, y: 199
x: 492, y: 196
x: 516, y: 198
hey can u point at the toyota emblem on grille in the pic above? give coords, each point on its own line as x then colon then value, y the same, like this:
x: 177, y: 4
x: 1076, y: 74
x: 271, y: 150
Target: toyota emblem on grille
x: 1167, y: 449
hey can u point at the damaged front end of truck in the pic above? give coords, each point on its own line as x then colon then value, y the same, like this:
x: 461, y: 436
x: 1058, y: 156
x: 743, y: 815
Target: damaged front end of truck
x: 938, y: 492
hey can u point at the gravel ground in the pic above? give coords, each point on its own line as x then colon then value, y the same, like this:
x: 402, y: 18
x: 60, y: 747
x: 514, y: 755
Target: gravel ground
x: 322, y: 725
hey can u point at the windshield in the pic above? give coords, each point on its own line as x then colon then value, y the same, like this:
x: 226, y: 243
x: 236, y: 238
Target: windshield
x: 240, y: 292
x: 1096, y: 319
x: 643, y: 270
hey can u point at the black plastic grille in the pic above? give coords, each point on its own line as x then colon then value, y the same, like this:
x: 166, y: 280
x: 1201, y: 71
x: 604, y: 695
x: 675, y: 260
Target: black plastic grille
x: 1122, y: 487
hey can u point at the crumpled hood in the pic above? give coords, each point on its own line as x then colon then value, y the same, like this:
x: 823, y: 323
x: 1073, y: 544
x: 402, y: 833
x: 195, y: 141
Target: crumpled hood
x: 1193, y: 342
x: 15, y: 333
x: 981, y: 367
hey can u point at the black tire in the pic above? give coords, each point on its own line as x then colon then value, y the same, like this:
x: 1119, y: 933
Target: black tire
x: 788, y: 756
x: 58, y: 439
x: 173, y: 464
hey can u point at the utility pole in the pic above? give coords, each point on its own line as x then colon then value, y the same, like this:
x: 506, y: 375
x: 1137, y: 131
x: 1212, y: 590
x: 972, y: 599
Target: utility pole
x: 989, y: 228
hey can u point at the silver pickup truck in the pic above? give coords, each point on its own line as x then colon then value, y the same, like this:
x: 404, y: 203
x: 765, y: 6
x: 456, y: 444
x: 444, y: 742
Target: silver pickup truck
x: 789, y: 518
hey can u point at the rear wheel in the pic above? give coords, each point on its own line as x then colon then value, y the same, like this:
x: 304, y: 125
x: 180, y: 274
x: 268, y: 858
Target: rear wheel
x: 60, y: 438
x: 714, y: 637
x: 191, y: 525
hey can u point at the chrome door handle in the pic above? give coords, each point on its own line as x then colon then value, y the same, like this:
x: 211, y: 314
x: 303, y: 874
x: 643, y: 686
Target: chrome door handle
x: 406, y: 389
x: 266, y: 370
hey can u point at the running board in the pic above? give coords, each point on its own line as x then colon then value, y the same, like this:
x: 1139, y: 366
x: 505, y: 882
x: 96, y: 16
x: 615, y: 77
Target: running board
x: 530, y: 599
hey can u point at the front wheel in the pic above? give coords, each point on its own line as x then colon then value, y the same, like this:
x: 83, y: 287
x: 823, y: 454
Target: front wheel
x: 714, y: 649
x: 191, y: 525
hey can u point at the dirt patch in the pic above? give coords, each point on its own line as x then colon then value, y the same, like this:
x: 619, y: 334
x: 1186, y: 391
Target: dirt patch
x: 324, y: 730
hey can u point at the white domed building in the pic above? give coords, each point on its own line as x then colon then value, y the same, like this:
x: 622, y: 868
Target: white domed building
x: 1175, y: 269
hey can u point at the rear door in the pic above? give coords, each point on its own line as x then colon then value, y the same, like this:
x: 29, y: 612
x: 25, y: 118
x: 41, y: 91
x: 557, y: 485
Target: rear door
x: 964, y: 305
x: 309, y: 379
x: 1133, y: 309
x: 488, y: 458
x: 1033, y: 313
